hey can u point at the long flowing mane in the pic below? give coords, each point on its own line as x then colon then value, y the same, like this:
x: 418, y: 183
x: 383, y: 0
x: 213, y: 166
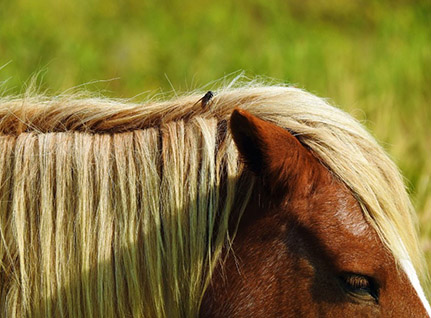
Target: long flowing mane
x: 110, y: 208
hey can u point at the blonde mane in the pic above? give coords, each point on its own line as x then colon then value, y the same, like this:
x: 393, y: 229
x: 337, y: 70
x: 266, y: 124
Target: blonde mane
x: 112, y: 209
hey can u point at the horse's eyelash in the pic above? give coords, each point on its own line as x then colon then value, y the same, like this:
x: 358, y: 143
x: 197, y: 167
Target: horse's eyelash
x: 358, y: 281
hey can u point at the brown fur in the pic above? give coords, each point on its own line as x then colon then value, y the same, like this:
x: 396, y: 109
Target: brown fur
x: 301, y: 232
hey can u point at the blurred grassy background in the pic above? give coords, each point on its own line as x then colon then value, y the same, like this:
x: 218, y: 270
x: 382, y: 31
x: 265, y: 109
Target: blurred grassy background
x: 372, y: 58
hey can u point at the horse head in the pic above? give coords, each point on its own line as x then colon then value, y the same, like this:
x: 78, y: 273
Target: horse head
x: 111, y: 209
x: 303, y: 247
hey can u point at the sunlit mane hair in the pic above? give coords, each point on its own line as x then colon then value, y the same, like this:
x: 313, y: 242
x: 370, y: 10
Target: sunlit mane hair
x: 116, y: 209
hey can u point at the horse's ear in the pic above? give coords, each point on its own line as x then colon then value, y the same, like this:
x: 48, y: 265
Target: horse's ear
x: 269, y: 150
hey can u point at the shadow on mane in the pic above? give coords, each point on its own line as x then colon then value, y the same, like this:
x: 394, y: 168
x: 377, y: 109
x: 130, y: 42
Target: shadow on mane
x: 112, y: 209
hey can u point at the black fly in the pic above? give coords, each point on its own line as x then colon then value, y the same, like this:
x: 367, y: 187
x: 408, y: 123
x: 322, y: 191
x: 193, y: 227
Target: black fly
x: 206, y: 99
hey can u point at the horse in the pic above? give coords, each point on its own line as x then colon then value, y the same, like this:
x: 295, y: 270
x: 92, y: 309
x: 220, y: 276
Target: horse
x: 257, y: 200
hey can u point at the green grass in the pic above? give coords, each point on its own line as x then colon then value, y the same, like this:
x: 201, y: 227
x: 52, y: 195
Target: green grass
x: 372, y: 58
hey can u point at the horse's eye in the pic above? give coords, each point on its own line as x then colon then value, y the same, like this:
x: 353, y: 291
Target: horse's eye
x: 360, y: 286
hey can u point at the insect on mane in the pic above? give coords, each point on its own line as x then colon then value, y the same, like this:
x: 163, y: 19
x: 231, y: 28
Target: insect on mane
x: 126, y: 206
